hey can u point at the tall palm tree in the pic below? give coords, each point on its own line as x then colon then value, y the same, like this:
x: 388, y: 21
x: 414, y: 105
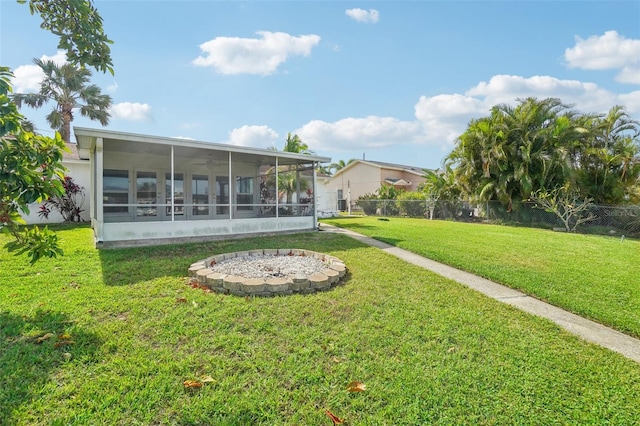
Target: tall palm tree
x: 516, y: 150
x: 68, y: 87
x: 609, y: 160
x: 294, y: 144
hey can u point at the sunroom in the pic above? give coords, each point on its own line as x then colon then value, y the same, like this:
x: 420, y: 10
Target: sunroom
x: 149, y: 189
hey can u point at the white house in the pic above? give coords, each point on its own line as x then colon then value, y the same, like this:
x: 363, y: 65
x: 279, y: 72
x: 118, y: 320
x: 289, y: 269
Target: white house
x: 80, y: 171
x: 148, y: 189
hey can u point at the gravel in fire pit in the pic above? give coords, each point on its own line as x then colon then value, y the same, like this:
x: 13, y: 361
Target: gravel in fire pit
x: 268, y: 266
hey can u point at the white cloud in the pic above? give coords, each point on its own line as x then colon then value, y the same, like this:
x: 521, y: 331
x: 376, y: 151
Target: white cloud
x: 608, y: 51
x: 112, y: 87
x: 131, y: 111
x: 441, y: 119
x: 444, y: 117
x: 370, y: 16
x: 629, y: 74
x: 263, y: 55
x: 27, y: 78
x: 355, y: 133
x: 632, y: 102
x: 587, y: 97
x: 253, y: 136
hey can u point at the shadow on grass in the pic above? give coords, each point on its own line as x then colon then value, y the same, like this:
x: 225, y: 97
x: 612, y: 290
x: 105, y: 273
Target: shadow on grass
x: 126, y: 266
x: 32, y: 349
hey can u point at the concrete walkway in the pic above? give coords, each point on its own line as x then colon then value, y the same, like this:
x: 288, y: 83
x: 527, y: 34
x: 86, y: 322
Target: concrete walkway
x: 584, y: 328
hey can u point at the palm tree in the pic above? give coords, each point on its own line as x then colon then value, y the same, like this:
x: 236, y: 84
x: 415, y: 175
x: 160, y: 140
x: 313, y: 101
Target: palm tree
x: 67, y: 86
x: 517, y: 150
x: 340, y: 165
x: 609, y: 160
x: 289, y: 180
x: 295, y: 144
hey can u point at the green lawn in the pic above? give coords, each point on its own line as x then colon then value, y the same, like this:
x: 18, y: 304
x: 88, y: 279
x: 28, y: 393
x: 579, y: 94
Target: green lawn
x: 594, y: 276
x: 102, y: 337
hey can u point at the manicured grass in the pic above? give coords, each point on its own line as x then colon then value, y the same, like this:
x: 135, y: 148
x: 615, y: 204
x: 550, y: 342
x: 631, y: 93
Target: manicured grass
x: 428, y: 350
x: 594, y: 276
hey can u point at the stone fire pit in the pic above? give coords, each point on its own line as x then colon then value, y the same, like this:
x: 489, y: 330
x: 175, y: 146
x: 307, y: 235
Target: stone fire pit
x: 269, y: 272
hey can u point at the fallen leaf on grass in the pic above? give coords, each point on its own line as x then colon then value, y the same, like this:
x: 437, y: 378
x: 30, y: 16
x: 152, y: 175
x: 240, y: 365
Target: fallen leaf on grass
x: 356, y: 387
x: 336, y: 360
x: 45, y: 337
x: 64, y: 343
x: 335, y: 419
x: 181, y: 300
x: 207, y: 379
x: 451, y: 349
x: 65, y: 336
x: 190, y: 384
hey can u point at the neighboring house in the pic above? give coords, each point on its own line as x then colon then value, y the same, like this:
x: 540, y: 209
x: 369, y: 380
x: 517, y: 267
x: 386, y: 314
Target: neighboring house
x: 79, y: 170
x: 148, y: 189
x: 362, y: 177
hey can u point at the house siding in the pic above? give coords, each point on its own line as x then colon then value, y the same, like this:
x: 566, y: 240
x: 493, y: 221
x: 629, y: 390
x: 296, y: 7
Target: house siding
x: 362, y: 177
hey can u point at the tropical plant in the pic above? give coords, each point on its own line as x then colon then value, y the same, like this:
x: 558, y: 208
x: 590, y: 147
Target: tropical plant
x: 289, y: 183
x: 609, y: 164
x: 412, y: 203
x: 68, y: 87
x: 30, y: 166
x: 289, y: 179
x: 566, y: 204
x: 69, y: 204
x: 29, y: 163
x: 78, y: 25
x: 293, y: 143
x: 541, y: 145
x: 340, y: 164
x: 368, y: 203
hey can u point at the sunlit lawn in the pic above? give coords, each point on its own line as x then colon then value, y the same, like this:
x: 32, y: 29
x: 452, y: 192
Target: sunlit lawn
x: 429, y: 351
x: 594, y: 276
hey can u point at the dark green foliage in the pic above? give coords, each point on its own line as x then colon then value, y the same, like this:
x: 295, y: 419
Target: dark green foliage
x: 544, y: 145
x: 78, y: 25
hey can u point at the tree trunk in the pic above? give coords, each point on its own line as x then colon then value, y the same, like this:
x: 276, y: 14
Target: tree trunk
x: 67, y: 117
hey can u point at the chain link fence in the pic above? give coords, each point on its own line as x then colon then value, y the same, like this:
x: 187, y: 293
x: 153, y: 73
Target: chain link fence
x: 597, y: 219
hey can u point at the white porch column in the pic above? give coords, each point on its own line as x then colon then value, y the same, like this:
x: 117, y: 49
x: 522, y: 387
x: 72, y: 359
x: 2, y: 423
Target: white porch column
x: 315, y: 196
x: 232, y: 189
x: 172, y: 189
x: 277, y: 193
x: 98, y: 188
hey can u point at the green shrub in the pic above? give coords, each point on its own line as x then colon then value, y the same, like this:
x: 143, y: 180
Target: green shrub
x: 412, y: 204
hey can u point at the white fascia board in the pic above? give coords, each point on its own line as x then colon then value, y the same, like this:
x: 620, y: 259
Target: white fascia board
x: 86, y: 139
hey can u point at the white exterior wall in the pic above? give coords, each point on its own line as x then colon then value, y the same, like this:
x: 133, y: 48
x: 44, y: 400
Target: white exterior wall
x: 145, y: 232
x: 360, y: 178
x: 79, y: 171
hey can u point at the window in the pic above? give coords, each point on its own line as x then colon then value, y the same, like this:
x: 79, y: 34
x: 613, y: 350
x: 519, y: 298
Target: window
x: 115, y: 190
x: 222, y: 195
x: 178, y: 193
x: 244, y: 192
x: 200, y: 194
x: 146, y: 196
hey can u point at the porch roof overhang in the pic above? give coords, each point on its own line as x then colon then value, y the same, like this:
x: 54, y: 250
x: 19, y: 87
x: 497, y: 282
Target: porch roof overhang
x: 86, y: 139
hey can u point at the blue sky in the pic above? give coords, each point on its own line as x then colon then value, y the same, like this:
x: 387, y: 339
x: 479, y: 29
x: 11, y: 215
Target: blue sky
x: 394, y: 81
